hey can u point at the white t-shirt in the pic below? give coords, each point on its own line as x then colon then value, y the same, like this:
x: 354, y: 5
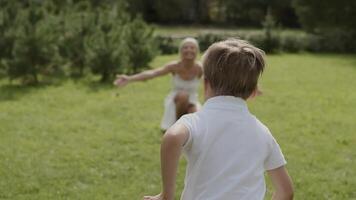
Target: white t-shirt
x: 228, y: 151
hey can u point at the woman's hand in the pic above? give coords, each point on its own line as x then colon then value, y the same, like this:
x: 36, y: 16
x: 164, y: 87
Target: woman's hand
x: 121, y: 80
x: 157, y: 197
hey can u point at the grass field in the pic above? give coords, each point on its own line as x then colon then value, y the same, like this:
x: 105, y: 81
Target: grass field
x: 82, y: 140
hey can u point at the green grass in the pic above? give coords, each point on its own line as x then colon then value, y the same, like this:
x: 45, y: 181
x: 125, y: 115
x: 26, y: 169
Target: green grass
x: 87, y: 141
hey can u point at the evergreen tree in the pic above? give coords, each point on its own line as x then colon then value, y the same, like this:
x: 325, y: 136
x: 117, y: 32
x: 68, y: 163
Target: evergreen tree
x: 141, y: 46
x: 75, y: 28
x: 106, y: 48
x: 33, y: 48
x: 8, y: 10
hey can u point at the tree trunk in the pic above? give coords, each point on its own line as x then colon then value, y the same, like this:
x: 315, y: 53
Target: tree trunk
x: 35, y: 78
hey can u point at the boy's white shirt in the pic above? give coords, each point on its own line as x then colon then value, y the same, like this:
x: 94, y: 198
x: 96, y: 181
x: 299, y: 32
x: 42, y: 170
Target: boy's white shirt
x: 228, y: 151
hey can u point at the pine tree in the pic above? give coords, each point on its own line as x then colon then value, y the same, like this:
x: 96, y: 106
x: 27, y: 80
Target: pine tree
x: 75, y: 28
x: 142, y: 47
x: 106, y: 49
x: 8, y: 10
x: 33, y: 48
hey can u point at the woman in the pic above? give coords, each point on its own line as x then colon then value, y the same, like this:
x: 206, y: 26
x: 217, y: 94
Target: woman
x: 186, y: 74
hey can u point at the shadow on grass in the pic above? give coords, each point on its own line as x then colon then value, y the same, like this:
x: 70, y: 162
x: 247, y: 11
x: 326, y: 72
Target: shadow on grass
x: 92, y: 84
x: 96, y: 86
x: 15, y: 91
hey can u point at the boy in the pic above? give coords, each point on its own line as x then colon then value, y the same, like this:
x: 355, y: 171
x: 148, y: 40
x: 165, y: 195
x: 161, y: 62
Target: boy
x: 227, y: 148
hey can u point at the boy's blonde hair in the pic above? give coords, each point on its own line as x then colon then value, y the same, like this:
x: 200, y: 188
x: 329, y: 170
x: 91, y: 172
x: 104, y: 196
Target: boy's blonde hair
x: 232, y: 67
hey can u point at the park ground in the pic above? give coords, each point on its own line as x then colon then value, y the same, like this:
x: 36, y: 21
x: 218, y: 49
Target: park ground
x: 84, y: 140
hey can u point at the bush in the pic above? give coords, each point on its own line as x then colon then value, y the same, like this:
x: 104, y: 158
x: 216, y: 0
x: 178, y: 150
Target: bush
x: 167, y: 45
x: 7, y: 15
x: 141, y: 45
x: 75, y: 28
x: 271, y: 37
x: 106, y: 52
x: 205, y: 40
x: 34, y: 48
x: 333, y: 41
x: 293, y: 43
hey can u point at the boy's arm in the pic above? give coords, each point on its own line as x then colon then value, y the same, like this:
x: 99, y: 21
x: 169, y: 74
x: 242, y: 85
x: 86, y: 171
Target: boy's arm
x: 171, y: 147
x: 282, y: 184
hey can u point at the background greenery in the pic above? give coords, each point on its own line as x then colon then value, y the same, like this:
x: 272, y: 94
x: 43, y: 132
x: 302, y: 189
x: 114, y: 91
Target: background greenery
x: 84, y: 140
x: 65, y: 135
x: 41, y: 40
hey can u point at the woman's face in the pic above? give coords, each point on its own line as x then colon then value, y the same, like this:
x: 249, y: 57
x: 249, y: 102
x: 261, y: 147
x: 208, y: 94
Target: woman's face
x: 189, y: 51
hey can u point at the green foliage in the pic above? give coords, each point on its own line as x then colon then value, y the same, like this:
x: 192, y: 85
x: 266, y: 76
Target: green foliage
x: 333, y: 22
x: 167, y: 45
x: 40, y: 38
x: 7, y: 15
x: 220, y: 12
x: 34, y: 48
x: 141, y: 45
x: 333, y: 41
x: 205, y: 40
x: 271, y: 39
x: 182, y: 11
x: 76, y: 26
x: 293, y: 43
x: 316, y: 16
x: 106, y: 48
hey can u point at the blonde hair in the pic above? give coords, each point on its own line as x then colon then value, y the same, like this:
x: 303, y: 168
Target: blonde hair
x: 189, y: 40
x: 232, y: 67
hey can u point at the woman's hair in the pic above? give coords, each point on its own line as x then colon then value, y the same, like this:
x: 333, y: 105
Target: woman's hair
x: 188, y: 40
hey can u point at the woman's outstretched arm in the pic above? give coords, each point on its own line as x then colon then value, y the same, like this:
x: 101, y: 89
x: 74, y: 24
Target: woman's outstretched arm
x: 122, y: 80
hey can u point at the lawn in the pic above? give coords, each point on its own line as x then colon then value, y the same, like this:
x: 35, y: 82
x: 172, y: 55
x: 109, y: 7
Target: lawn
x: 83, y: 140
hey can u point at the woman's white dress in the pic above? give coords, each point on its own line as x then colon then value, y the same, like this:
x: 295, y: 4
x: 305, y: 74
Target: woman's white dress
x: 179, y: 84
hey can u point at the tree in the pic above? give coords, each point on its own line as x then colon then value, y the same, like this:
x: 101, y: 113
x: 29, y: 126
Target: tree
x: 76, y: 26
x: 141, y: 46
x: 106, y: 47
x: 316, y: 16
x: 332, y: 21
x: 34, y: 46
x: 8, y: 10
x: 271, y: 40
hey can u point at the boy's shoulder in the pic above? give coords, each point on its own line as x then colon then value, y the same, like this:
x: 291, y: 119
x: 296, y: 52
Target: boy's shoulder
x: 192, y: 120
x: 189, y: 118
x: 262, y: 127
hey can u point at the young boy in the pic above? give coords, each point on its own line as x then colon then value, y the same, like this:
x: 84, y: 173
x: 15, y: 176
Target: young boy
x: 227, y: 148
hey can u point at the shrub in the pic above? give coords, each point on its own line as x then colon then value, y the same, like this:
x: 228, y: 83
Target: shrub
x: 141, y: 45
x: 7, y: 14
x: 337, y: 42
x: 33, y: 49
x: 293, y: 43
x: 271, y: 37
x: 167, y: 45
x: 75, y: 28
x: 106, y: 52
x: 205, y: 40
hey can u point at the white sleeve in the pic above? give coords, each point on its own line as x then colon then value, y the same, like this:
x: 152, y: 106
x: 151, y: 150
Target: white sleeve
x: 186, y: 120
x: 275, y: 157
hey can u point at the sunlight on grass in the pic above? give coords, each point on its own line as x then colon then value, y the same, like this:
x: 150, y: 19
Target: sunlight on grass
x: 76, y: 141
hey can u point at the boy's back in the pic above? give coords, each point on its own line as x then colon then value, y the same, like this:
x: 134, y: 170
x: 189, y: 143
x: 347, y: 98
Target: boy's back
x: 228, y: 151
